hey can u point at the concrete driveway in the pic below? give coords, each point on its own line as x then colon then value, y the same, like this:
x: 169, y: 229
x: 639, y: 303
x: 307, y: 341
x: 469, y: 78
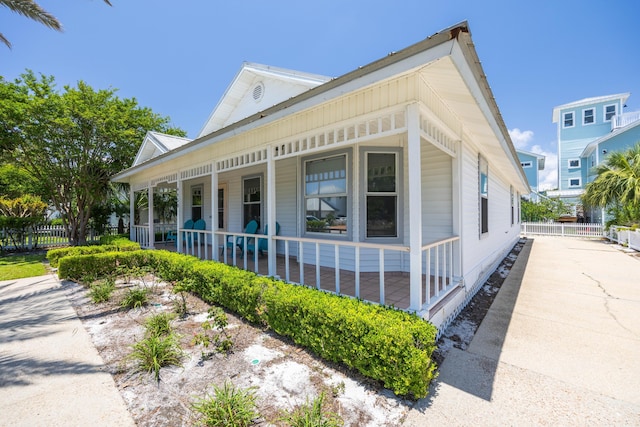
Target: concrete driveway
x: 559, y: 346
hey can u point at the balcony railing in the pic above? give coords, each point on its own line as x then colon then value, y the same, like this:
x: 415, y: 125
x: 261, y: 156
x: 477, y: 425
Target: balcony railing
x: 624, y: 119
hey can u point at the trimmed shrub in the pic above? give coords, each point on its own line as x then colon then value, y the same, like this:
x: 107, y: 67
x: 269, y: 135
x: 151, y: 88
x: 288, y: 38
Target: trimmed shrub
x: 382, y: 343
x: 120, y: 244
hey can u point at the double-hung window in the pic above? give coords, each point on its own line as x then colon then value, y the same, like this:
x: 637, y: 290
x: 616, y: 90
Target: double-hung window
x: 381, y: 194
x: 325, y: 194
x: 196, y: 202
x: 567, y: 120
x: 483, y: 174
x: 588, y: 116
x: 251, y: 199
x: 609, y: 112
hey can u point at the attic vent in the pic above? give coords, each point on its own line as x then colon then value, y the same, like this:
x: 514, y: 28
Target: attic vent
x: 258, y: 91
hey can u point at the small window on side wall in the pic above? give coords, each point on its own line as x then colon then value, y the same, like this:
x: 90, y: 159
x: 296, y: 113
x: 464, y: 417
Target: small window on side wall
x: 588, y: 116
x: 574, y: 182
x: 567, y: 120
x: 574, y: 163
x: 609, y: 112
x: 483, y: 193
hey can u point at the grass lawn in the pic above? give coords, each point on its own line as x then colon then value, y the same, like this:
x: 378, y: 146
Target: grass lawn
x: 19, y: 266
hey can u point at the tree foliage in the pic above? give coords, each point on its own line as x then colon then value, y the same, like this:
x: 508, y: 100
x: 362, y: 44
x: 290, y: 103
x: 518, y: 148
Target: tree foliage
x: 20, y: 215
x: 72, y: 141
x: 547, y: 209
x: 617, y: 186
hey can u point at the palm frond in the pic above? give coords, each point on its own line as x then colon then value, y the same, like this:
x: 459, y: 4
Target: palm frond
x: 32, y: 10
x: 5, y: 41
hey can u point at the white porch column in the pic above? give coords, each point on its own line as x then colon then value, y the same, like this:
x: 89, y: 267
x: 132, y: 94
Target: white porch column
x: 152, y: 232
x: 214, y: 211
x: 415, y: 207
x: 271, y: 211
x: 132, y: 213
x: 456, y: 197
x: 180, y: 218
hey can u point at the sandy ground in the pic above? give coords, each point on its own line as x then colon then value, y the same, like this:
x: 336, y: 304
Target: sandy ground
x: 282, y: 374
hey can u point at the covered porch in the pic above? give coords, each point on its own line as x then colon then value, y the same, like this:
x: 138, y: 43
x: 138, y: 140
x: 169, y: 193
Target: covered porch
x: 336, y: 240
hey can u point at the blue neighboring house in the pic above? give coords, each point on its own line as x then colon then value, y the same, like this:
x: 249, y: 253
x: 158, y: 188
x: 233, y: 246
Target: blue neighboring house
x: 532, y: 164
x: 588, y: 130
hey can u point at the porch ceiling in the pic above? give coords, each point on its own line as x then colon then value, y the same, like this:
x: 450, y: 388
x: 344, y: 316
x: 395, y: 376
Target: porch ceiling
x: 446, y: 79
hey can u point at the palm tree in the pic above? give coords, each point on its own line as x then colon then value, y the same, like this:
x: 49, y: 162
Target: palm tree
x: 618, y: 181
x: 32, y: 10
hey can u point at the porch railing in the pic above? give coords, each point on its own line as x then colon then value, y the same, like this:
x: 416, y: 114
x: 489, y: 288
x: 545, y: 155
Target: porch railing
x: 563, y: 229
x: 315, y: 258
x: 141, y: 235
x: 441, y: 267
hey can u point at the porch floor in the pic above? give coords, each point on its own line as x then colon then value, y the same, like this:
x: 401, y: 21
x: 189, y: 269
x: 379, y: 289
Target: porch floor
x: 396, y: 284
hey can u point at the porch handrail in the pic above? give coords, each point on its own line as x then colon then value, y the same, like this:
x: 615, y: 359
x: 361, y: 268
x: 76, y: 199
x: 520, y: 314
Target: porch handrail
x: 441, y: 263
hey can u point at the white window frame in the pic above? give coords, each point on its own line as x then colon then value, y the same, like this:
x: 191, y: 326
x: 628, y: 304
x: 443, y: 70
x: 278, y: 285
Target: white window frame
x: 526, y: 164
x: 604, y: 112
x: 584, y: 116
x: 260, y: 203
x: 483, y: 169
x: 513, y: 210
x: 197, y: 190
x: 564, y: 119
x: 579, y: 184
x: 349, y: 183
x: 364, y: 192
x: 578, y: 166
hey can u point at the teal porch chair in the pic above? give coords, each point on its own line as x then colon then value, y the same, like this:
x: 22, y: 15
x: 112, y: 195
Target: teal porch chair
x: 251, y: 228
x: 172, y: 236
x: 263, y: 245
x: 198, y: 225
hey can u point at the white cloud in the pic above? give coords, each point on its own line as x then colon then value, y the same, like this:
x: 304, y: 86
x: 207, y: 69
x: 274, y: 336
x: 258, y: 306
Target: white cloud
x: 548, y: 177
x: 520, y: 138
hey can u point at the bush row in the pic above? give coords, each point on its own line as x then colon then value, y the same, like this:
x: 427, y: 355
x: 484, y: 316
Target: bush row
x: 107, y: 244
x: 382, y: 343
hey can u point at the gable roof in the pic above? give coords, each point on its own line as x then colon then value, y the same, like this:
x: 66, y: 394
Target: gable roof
x: 447, y: 59
x: 594, y: 144
x: 589, y: 101
x: 540, y: 157
x: 257, y: 87
x: 156, y: 144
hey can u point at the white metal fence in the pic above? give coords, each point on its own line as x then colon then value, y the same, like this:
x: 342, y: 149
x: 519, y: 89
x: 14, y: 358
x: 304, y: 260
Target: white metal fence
x: 47, y: 236
x: 564, y: 229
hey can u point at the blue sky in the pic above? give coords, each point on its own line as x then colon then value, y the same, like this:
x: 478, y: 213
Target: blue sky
x: 178, y: 57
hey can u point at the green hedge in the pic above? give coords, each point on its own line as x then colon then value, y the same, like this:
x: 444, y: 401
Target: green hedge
x: 112, y: 243
x: 382, y: 343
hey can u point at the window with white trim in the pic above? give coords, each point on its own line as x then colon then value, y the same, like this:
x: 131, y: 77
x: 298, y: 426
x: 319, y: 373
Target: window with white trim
x: 513, y: 208
x: 588, y: 116
x: 526, y: 164
x: 381, y: 194
x: 573, y: 163
x: 483, y: 194
x: 575, y: 182
x: 325, y: 194
x: 567, y: 120
x: 196, y: 202
x: 251, y: 200
x: 610, y: 111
